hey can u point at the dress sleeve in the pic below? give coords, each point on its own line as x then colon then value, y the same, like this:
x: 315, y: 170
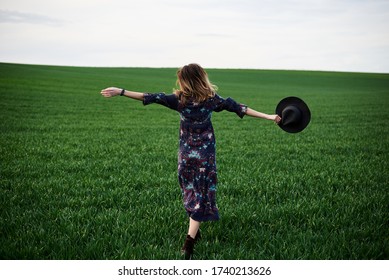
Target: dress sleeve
x: 167, y: 100
x: 230, y: 105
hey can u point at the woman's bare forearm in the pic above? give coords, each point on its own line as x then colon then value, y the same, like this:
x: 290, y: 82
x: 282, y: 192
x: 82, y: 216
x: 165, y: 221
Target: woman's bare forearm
x: 255, y: 114
x: 134, y: 95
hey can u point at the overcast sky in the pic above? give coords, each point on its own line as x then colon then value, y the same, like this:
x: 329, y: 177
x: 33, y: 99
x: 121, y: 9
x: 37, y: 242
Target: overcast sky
x: 340, y: 35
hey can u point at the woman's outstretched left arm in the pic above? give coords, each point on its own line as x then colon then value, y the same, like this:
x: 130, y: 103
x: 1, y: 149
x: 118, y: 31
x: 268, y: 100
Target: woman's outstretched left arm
x: 114, y: 91
x: 255, y: 114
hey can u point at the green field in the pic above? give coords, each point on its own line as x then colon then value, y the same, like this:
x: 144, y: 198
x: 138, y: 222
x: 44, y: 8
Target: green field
x: 84, y: 177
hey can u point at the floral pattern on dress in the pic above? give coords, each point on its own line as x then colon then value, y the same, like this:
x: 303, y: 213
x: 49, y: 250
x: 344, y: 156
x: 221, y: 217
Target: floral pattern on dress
x: 197, y: 173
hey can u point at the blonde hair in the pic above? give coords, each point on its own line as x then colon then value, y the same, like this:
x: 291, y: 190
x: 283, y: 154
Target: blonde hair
x: 194, y: 83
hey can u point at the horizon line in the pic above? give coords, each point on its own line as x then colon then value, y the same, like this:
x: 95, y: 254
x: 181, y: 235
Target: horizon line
x: 206, y: 68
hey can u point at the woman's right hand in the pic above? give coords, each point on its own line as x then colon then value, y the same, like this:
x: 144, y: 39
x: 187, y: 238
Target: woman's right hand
x: 276, y: 118
x: 111, y: 92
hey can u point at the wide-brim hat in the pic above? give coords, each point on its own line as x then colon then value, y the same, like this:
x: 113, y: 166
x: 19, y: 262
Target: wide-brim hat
x: 295, y: 114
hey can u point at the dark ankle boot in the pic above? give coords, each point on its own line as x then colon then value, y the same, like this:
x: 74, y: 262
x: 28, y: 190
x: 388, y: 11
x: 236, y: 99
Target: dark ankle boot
x: 187, y: 249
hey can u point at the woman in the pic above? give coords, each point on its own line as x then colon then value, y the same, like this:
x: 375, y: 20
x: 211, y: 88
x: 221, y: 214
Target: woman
x: 195, y: 100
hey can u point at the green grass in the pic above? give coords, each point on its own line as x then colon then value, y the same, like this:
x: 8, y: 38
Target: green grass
x: 84, y: 177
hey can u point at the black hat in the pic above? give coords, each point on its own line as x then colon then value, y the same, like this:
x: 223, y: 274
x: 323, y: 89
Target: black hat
x: 294, y: 113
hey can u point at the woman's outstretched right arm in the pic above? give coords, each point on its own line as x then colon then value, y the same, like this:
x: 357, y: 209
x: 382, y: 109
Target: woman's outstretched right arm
x: 255, y: 114
x: 114, y: 91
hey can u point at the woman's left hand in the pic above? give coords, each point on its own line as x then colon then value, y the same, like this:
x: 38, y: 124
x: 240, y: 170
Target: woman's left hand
x: 110, y: 92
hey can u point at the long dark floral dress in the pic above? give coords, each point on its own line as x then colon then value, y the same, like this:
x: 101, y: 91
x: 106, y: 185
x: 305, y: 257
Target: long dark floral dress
x: 197, y: 173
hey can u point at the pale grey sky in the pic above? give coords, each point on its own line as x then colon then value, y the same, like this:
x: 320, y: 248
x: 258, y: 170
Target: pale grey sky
x: 340, y: 35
